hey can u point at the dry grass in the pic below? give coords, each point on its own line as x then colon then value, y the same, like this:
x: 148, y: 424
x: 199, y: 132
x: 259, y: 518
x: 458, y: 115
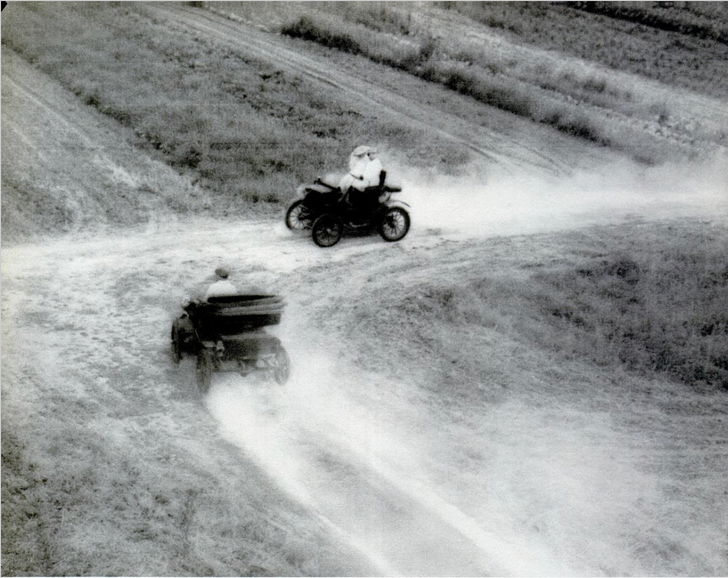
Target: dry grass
x: 572, y: 96
x: 656, y: 303
x: 244, y: 131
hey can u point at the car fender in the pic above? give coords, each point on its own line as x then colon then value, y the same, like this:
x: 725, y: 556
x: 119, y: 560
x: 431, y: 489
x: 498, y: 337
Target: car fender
x: 397, y: 203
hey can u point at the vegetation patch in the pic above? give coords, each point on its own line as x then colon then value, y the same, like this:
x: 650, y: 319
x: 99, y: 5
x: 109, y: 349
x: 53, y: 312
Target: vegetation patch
x: 682, y: 44
x: 241, y: 129
x: 421, y: 55
x: 668, y: 315
x: 306, y: 29
x: 656, y: 305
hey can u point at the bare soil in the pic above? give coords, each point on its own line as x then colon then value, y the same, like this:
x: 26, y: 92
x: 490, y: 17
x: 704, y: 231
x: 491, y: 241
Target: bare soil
x: 369, y: 460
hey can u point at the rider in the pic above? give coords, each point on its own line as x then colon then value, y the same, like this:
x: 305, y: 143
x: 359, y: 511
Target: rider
x: 364, y: 173
x: 373, y: 170
x: 222, y: 285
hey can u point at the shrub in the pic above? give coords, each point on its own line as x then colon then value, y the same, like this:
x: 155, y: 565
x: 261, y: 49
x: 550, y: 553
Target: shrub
x: 306, y: 29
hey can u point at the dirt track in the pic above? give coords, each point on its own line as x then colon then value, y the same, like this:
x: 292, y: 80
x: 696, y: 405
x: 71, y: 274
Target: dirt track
x: 500, y: 138
x: 89, y: 318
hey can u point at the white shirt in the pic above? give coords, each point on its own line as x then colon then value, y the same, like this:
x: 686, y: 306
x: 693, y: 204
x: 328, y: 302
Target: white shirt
x: 363, y: 173
x: 371, y: 173
x: 221, y: 288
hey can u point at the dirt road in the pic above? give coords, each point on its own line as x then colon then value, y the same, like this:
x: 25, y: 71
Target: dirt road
x: 501, y: 139
x: 88, y: 317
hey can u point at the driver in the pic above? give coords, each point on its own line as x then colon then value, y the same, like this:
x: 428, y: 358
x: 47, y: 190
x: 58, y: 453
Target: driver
x: 222, y: 285
x: 372, y: 170
x: 364, y: 172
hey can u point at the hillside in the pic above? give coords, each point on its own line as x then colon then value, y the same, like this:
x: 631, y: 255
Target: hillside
x: 532, y: 382
x: 247, y: 117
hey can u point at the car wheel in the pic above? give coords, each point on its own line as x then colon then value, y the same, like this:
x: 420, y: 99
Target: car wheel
x: 394, y: 224
x: 298, y: 217
x: 176, y: 345
x: 327, y: 230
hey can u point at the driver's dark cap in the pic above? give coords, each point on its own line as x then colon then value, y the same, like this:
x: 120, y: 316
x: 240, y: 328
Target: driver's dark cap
x: 222, y: 272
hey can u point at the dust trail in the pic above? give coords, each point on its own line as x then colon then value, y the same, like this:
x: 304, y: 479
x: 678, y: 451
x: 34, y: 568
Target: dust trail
x: 556, y: 491
x: 360, y: 473
x: 502, y: 204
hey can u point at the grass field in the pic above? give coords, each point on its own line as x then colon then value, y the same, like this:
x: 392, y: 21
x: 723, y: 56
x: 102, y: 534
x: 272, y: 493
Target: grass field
x: 493, y: 64
x: 649, y: 300
x: 244, y: 131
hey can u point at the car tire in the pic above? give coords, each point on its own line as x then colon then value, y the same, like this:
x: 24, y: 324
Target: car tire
x: 395, y: 224
x: 298, y: 217
x: 327, y: 230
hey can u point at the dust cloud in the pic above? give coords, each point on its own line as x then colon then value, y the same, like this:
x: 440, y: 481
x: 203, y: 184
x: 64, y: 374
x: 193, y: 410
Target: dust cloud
x: 363, y: 472
x: 353, y: 466
x: 555, y: 492
x: 496, y: 203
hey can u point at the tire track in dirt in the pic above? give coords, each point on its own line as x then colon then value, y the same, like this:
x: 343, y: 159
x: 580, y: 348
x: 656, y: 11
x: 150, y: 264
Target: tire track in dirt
x: 399, y: 523
x: 510, y: 154
x: 75, y: 158
x: 45, y: 108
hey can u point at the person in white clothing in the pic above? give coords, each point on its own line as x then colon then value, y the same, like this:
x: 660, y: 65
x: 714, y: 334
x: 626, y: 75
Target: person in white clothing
x: 372, y: 170
x: 364, y: 169
x: 364, y: 173
x: 222, y: 286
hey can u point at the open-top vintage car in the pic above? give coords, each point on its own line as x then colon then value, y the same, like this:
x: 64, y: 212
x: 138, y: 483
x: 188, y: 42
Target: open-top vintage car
x: 227, y: 333
x: 327, y: 211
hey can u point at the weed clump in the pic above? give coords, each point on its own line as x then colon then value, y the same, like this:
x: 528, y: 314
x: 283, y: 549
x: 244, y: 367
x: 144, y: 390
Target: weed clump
x: 306, y: 29
x: 661, y: 311
x: 668, y: 316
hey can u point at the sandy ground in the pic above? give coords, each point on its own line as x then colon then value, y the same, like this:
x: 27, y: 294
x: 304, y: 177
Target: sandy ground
x: 333, y: 438
x: 90, y: 315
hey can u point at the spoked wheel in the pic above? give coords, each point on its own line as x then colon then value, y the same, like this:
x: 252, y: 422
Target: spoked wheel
x: 298, y: 217
x: 327, y: 230
x: 282, y: 370
x: 176, y: 345
x: 394, y: 224
x: 204, y: 370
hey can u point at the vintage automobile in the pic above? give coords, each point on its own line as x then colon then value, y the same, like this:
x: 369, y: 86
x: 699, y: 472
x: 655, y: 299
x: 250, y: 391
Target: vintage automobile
x: 228, y: 334
x: 327, y: 211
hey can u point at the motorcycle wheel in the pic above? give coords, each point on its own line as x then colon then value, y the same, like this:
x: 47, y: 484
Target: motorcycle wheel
x: 394, y: 224
x: 327, y: 230
x: 298, y: 217
x: 204, y: 371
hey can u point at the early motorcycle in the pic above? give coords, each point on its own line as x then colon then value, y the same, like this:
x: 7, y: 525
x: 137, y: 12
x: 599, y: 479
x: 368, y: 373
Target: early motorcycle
x: 326, y: 210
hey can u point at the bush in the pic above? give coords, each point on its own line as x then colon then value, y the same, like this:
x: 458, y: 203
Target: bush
x: 306, y: 29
